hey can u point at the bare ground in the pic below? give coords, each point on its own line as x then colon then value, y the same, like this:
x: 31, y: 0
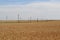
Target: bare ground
x: 30, y: 31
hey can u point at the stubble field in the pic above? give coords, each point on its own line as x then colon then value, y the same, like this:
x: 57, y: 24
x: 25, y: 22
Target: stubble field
x: 47, y: 30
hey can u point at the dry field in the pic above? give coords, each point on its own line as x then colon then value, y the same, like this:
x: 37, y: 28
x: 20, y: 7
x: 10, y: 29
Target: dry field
x: 30, y: 31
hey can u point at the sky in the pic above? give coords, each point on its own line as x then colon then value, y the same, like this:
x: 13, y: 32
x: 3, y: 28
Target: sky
x: 41, y: 9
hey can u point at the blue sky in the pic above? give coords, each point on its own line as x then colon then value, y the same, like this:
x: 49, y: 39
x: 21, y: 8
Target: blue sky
x: 21, y: 0
x: 42, y: 9
x: 7, y: 2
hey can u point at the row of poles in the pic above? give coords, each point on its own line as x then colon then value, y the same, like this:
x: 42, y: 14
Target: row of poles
x: 18, y: 17
x: 29, y: 20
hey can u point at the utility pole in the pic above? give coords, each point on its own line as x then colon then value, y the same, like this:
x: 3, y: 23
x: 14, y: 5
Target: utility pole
x: 18, y: 18
x: 30, y: 19
x: 6, y: 18
x: 37, y: 19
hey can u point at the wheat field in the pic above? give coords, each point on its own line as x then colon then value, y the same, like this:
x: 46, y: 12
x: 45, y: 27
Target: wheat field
x: 46, y: 30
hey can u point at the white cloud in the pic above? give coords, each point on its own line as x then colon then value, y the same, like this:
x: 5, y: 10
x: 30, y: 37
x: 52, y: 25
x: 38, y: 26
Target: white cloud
x: 38, y: 9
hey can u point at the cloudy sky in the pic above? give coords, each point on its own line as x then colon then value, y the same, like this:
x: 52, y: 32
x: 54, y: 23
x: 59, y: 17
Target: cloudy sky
x: 42, y: 9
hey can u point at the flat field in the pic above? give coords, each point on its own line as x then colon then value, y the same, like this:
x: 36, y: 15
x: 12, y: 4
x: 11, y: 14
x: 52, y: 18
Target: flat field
x: 45, y: 30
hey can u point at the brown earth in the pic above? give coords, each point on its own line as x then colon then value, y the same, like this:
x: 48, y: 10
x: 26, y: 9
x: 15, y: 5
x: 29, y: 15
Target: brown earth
x: 47, y: 30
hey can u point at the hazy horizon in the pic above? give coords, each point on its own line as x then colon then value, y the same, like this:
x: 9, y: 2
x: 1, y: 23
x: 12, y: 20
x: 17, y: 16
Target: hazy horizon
x: 42, y: 9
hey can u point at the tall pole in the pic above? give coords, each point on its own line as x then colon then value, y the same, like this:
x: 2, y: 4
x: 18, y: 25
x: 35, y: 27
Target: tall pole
x: 30, y: 19
x: 6, y: 18
x: 18, y: 18
x: 37, y: 19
